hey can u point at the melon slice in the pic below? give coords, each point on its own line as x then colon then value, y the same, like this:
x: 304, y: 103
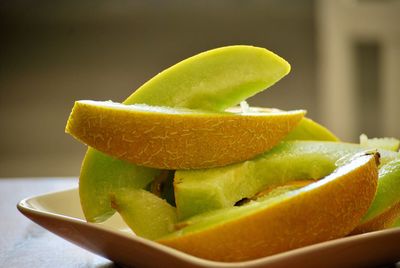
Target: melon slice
x: 385, y: 207
x: 320, y: 211
x: 199, y: 191
x: 177, y: 138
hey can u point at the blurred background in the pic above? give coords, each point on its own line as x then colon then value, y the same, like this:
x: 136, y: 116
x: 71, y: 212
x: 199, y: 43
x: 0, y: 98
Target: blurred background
x: 345, y: 58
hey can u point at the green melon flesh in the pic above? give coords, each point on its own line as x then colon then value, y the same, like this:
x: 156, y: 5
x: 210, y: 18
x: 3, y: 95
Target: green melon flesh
x: 391, y: 144
x: 308, y: 129
x: 99, y: 178
x: 199, y: 191
x: 213, y: 80
x: 387, y: 194
x: 388, y: 190
x: 223, y: 215
x: 146, y: 214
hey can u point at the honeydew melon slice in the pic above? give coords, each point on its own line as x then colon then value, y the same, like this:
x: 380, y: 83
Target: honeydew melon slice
x: 320, y: 211
x: 385, y: 207
x: 213, y: 80
x: 178, y: 138
x: 145, y: 213
x: 199, y: 191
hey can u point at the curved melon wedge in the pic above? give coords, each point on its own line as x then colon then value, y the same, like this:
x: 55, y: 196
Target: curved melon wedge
x: 145, y: 213
x: 320, y: 211
x: 385, y: 208
x: 99, y: 178
x: 202, y: 190
x: 213, y: 80
x: 168, y: 138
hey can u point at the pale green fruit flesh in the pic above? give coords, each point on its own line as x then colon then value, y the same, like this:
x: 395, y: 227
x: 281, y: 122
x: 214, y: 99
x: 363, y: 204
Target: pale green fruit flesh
x: 146, y: 214
x: 199, y: 191
x: 213, y: 80
x: 222, y: 215
x: 98, y: 178
x: 387, y: 195
x: 388, y: 190
x: 308, y: 129
x: 382, y: 143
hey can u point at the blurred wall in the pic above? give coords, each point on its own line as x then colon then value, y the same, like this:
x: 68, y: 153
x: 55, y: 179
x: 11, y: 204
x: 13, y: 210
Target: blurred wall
x: 55, y: 53
x: 359, y: 66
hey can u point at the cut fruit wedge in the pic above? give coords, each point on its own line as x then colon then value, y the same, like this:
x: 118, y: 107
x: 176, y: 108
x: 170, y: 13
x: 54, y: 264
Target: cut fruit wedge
x: 199, y: 191
x: 98, y: 179
x: 385, y: 207
x: 145, y: 213
x: 320, y: 211
x: 213, y: 80
x: 173, y: 138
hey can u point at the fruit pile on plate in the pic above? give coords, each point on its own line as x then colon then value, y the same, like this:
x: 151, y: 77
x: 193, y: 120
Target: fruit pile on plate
x: 187, y: 167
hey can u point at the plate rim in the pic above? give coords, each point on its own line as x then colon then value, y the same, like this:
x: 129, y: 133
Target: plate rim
x: 26, y: 207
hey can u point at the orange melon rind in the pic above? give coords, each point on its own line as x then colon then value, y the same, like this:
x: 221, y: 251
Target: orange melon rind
x: 169, y: 138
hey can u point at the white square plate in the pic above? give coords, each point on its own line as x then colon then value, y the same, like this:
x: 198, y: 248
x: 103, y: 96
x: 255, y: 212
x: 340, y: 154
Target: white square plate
x: 60, y: 213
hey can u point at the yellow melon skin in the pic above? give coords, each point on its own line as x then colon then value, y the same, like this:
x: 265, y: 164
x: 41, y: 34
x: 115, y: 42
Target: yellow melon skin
x: 324, y: 210
x: 168, y: 138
